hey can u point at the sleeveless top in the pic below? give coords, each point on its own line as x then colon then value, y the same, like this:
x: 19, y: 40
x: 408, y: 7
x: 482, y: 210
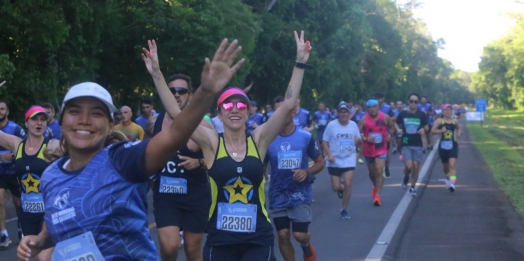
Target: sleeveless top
x: 238, y: 213
x: 448, y: 139
x: 29, y: 169
x: 379, y: 130
x: 195, y: 181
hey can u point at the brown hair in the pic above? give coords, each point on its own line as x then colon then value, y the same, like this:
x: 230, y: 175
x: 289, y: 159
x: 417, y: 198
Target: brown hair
x: 52, y: 156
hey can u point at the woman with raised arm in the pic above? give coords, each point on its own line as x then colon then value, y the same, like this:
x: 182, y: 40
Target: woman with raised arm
x: 239, y: 227
x: 95, y: 196
x: 29, y: 167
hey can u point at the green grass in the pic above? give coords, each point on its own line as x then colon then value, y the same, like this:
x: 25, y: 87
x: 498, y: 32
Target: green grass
x: 501, y: 143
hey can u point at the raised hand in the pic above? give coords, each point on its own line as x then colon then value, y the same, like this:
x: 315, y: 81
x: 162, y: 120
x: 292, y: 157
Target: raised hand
x: 303, y: 48
x: 2, y: 83
x: 150, y: 57
x: 218, y: 72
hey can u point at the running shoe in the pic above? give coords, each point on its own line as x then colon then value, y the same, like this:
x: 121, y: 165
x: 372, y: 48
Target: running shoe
x: 412, y: 192
x: 400, y: 157
x: 181, y: 238
x: 387, y: 174
x: 340, y: 193
x: 373, y: 192
x: 424, y: 151
x: 309, y: 253
x: 452, y: 187
x: 360, y: 161
x: 344, y: 214
x: 394, y: 150
x: 376, y: 201
x: 4, y: 240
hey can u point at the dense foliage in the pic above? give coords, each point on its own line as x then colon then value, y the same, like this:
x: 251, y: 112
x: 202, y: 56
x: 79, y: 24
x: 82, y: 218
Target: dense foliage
x: 360, y: 47
x: 500, y: 78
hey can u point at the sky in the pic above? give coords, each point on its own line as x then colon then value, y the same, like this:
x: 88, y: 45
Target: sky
x: 467, y: 26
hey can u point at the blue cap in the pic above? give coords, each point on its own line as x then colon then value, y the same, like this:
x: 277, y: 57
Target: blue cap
x: 371, y: 102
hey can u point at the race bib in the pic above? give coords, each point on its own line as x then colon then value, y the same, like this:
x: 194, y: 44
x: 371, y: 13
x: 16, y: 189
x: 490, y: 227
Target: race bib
x: 346, y: 145
x: 173, y: 185
x: 33, y: 203
x: 322, y: 122
x: 446, y: 144
x: 79, y: 248
x: 289, y: 159
x: 377, y: 136
x: 237, y: 217
x: 411, y: 125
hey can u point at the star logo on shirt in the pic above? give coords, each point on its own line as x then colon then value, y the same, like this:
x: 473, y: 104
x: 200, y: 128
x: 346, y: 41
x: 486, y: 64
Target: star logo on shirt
x: 238, y: 191
x: 31, y: 183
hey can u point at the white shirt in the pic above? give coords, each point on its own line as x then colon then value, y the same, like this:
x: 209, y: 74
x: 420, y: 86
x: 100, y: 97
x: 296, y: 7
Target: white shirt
x: 341, y: 140
x: 218, y: 124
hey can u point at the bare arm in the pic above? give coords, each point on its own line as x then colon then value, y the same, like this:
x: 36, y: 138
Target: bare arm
x: 9, y: 141
x: 267, y: 132
x: 215, y: 75
x: 318, y: 166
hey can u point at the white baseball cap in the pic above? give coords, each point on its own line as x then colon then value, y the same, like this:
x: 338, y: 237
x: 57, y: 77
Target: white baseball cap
x: 90, y: 89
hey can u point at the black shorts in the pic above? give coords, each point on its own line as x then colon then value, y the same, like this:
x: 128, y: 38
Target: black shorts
x: 31, y: 226
x: 239, y: 252
x: 192, y: 218
x: 10, y: 182
x: 445, y: 155
x: 338, y: 171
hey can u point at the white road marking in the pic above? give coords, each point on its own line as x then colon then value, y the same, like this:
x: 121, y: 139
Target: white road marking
x: 382, y: 243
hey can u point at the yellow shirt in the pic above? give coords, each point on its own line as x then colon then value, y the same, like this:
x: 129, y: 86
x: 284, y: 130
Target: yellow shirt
x: 133, y: 132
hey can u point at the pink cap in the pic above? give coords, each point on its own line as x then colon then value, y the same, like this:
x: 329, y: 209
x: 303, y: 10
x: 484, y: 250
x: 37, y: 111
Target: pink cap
x: 232, y: 92
x: 35, y: 110
x: 445, y: 106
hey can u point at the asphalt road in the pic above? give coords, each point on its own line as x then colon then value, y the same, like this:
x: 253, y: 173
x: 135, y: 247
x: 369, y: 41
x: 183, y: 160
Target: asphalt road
x: 435, y: 226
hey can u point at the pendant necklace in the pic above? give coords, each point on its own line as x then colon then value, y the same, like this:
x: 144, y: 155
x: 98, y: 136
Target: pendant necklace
x: 235, y: 151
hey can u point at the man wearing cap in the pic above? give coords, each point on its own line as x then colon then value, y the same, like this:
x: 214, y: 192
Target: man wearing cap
x: 255, y: 118
x: 8, y: 178
x: 375, y: 128
x: 290, y: 192
x: 132, y: 130
x: 414, y: 124
x: 340, y: 141
x: 388, y: 111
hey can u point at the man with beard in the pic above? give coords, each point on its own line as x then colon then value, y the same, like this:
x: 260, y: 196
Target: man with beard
x: 386, y: 109
x: 8, y: 179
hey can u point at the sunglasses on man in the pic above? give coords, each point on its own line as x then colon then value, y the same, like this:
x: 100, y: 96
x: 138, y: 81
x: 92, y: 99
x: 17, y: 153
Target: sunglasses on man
x: 413, y: 101
x: 179, y: 90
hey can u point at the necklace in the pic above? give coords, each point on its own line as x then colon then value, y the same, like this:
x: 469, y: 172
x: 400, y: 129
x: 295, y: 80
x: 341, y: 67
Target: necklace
x: 235, y: 154
x: 30, y: 146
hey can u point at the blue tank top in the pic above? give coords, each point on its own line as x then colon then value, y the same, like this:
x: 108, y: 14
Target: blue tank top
x: 107, y: 198
x: 288, y: 153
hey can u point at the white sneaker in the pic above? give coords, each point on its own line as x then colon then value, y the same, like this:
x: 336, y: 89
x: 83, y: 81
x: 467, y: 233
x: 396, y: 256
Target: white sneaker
x: 412, y: 192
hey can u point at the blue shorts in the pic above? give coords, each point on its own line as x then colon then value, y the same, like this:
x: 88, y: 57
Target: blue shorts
x: 371, y: 160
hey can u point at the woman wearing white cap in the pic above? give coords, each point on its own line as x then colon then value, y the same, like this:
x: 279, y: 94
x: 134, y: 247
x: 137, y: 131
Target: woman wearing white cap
x: 29, y: 166
x: 239, y: 227
x: 95, y: 196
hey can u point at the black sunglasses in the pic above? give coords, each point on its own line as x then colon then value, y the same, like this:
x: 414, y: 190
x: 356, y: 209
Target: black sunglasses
x: 412, y: 101
x: 179, y: 90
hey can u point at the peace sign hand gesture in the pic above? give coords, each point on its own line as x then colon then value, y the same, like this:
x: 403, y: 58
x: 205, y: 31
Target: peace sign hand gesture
x: 151, y: 57
x: 303, y: 48
x: 218, y: 72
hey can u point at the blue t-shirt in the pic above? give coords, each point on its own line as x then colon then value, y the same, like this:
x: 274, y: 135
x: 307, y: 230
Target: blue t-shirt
x: 322, y: 119
x: 143, y: 121
x: 302, y: 118
x: 286, y: 153
x: 258, y: 118
x: 8, y: 168
x: 334, y: 116
x: 424, y: 107
x: 108, y: 198
x: 358, y: 116
x: 387, y: 110
x: 396, y: 112
x: 55, y: 130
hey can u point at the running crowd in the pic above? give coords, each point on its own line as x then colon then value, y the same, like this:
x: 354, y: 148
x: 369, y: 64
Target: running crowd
x: 80, y: 183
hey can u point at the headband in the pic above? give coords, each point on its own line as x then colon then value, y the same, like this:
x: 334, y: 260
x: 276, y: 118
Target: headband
x: 371, y: 102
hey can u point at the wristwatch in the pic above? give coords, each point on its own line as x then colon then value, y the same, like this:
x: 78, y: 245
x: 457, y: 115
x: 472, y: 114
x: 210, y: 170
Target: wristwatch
x: 303, y: 65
